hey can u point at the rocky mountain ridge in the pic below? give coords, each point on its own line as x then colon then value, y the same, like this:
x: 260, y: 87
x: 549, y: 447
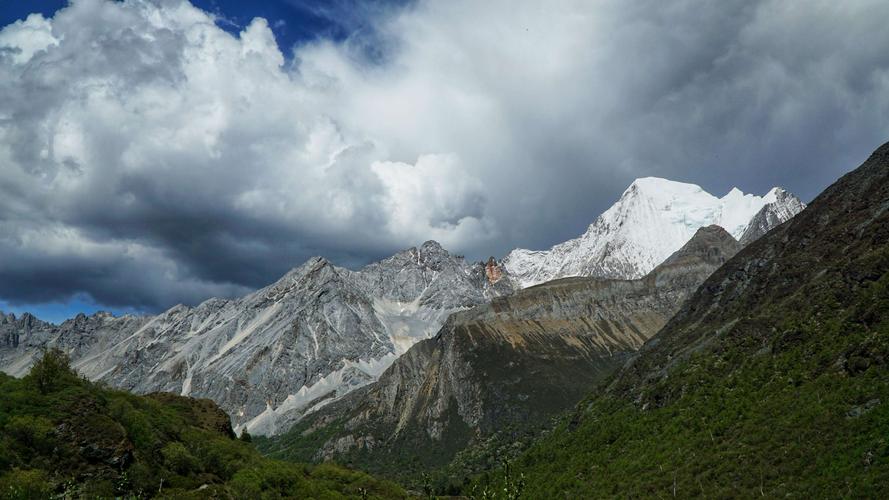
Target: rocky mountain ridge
x: 322, y: 331
x: 771, y: 215
x: 509, y: 364
x: 314, y: 335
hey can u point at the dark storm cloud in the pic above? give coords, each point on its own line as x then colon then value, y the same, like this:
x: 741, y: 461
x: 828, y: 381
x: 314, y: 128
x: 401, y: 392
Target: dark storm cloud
x: 148, y: 157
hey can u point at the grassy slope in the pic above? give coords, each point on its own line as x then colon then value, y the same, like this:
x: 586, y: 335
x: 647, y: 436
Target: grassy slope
x: 794, y: 421
x: 772, y: 380
x: 73, y: 437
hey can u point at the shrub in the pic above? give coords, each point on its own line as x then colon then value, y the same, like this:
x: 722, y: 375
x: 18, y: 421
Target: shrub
x: 220, y: 456
x: 24, y: 484
x: 178, y: 459
x: 270, y: 478
x: 36, y: 433
x: 52, y: 371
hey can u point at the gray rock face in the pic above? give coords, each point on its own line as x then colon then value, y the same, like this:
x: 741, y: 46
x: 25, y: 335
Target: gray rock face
x: 514, y: 362
x: 21, y: 339
x: 773, y: 214
x: 316, y: 334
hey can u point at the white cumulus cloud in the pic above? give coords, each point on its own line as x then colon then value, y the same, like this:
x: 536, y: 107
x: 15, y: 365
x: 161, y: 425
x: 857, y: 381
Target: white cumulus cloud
x: 149, y: 157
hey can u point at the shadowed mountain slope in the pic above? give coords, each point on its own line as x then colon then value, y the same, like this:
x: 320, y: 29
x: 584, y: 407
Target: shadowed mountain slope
x: 772, y: 379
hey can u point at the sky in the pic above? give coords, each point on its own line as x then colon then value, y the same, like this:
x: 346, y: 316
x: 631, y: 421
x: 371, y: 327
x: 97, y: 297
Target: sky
x: 155, y: 152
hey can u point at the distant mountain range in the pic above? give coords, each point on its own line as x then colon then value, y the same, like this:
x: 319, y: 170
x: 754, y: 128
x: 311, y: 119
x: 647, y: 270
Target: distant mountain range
x: 322, y: 331
x: 315, y: 334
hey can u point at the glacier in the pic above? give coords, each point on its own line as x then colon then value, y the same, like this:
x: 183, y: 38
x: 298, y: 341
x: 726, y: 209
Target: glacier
x: 653, y: 218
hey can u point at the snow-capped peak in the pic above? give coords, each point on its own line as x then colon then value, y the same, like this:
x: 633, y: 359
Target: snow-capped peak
x: 652, y: 219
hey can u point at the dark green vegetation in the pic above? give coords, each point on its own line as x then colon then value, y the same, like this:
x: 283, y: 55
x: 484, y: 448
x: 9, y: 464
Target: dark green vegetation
x: 62, y: 435
x: 772, y: 380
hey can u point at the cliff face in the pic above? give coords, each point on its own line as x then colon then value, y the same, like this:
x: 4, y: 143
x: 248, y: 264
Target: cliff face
x: 512, y: 363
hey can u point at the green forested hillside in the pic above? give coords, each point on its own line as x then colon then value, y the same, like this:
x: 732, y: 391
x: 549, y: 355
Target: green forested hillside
x: 63, y: 436
x: 773, y: 379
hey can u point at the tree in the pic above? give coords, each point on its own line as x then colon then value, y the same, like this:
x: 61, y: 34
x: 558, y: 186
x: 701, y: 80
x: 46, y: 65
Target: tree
x: 52, y: 371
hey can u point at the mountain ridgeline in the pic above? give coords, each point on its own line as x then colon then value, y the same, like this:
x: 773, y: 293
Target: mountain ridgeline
x: 771, y: 380
x: 500, y: 370
x: 322, y: 331
x: 317, y: 333
x: 652, y: 219
x: 424, y: 362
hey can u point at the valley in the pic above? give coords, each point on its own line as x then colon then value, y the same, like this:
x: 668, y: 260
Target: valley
x: 444, y: 249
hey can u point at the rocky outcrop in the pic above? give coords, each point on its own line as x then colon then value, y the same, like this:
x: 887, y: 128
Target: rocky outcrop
x: 512, y: 363
x: 493, y: 271
x: 101, y: 442
x: 772, y: 215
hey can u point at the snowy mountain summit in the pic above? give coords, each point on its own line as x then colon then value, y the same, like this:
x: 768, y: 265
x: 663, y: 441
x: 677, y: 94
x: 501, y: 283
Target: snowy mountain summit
x: 652, y: 219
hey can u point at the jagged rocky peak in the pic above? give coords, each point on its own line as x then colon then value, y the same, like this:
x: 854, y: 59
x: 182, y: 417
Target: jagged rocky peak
x: 312, y: 265
x: 316, y: 268
x: 652, y: 219
x: 781, y: 206
x: 433, y: 248
x: 24, y: 323
x: 429, y: 275
x: 268, y: 357
x: 429, y: 256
